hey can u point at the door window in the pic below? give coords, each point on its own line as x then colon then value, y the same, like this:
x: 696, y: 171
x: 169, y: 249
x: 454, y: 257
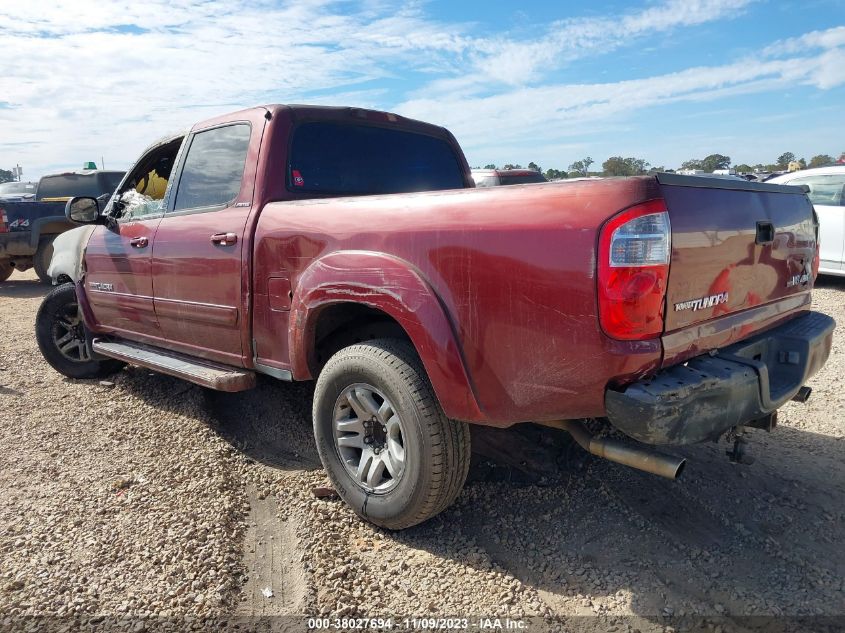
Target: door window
x: 824, y: 190
x: 213, y: 168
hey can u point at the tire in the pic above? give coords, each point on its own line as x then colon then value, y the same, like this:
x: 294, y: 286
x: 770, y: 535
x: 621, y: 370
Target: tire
x: 415, y: 463
x: 41, y: 261
x: 6, y: 269
x: 58, y: 327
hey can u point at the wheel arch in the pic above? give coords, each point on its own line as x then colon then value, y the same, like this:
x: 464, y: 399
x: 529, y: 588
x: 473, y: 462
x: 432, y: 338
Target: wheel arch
x: 348, y: 291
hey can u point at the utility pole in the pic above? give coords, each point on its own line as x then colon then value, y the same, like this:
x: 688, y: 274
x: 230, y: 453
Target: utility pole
x: 17, y: 171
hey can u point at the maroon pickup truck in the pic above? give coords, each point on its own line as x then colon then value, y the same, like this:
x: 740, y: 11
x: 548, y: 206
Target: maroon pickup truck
x: 349, y: 246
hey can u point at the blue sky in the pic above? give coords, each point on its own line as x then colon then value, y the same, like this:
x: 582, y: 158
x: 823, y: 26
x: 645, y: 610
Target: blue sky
x: 550, y: 82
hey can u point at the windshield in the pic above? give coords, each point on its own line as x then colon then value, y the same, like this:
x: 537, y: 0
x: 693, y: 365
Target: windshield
x: 17, y: 187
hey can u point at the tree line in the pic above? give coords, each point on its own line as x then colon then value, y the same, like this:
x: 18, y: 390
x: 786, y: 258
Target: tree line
x: 632, y: 166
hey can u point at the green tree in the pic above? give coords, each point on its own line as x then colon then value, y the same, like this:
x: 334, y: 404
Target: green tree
x: 744, y: 168
x: 692, y: 163
x: 512, y: 166
x: 618, y: 166
x: 555, y: 174
x: 784, y: 160
x: 6, y: 176
x: 819, y: 160
x: 535, y: 167
x: 490, y: 166
x: 715, y: 161
x: 582, y: 166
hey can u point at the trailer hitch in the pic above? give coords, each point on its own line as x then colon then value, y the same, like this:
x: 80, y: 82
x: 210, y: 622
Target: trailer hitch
x: 739, y: 454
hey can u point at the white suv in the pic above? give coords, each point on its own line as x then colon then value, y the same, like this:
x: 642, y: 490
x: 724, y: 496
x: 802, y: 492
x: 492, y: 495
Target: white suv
x: 827, y: 193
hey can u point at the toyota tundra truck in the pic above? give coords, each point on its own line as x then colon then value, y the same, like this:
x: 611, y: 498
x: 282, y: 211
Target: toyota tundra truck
x: 349, y: 246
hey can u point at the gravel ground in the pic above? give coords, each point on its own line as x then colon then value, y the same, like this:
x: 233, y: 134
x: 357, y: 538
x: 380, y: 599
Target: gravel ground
x: 147, y: 497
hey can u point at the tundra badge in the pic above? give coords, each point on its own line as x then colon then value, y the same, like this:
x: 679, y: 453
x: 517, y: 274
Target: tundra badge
x: 703, y: 303
x: 96, y: 285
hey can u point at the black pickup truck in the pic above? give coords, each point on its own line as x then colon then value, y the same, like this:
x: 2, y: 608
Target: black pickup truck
x: 27, y: 229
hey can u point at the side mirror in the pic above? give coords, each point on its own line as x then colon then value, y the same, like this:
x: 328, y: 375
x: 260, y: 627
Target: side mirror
x: 83, y: 210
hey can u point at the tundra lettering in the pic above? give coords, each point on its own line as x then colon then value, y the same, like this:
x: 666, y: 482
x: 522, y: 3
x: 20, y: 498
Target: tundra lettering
x: 704, y: 302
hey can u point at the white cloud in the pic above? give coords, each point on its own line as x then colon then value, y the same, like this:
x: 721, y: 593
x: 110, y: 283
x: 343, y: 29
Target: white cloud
x: 827, y: 39
x: 521, y: 62
x: 86, y: 79
x: 551, y: 113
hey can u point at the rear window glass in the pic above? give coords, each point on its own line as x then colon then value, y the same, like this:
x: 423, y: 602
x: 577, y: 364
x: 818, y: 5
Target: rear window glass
x: 521, y: 180
x: 70, y: 185
x: 358, y: 159
x: 824, y: 190
x: 110, y: 180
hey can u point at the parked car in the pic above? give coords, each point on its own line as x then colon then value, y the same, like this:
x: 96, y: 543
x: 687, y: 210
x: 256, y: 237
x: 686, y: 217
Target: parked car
x: 496, y: 177
x: 826, y: 190
x: 28, y: 228
x: 90, y: 182
x: 349, y: 246
x: 17, y: 191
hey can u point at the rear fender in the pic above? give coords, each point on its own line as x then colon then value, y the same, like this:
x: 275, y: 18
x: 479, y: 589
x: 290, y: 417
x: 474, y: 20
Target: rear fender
x: 396, y: 288
x: 51, y: 225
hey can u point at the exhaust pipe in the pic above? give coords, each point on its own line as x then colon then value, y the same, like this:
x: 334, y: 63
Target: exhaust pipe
x: 652, y: 462
x: 803, y: 394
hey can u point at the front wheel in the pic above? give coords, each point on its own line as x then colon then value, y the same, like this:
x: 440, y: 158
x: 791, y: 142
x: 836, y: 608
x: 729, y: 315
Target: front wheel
x: 387, y: 446
x: 61, y: 337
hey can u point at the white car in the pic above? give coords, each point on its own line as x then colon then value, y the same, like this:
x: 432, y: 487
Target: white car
x: 827, y: 193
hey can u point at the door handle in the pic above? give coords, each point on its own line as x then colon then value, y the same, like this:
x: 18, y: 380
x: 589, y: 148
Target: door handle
x: 139, y: 242
x: 224, y: 239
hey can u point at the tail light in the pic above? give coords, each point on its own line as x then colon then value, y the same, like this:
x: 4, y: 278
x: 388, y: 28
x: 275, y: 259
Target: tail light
x: 4, y: 222
x: 633, y: 270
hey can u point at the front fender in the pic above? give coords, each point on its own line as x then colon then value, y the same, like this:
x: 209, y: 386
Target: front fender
x: 68, y: 252
x: 395, y: 287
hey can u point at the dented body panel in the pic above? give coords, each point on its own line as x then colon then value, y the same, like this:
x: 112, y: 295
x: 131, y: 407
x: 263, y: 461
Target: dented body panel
x: 509, y: 297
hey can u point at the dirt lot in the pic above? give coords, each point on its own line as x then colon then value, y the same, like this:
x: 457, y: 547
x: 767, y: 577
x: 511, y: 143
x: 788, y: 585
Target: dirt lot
x: 144, y: 496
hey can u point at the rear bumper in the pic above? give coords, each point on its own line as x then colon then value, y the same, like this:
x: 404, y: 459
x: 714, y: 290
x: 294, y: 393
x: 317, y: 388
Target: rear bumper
x: 709, y: 394
x: 16, y: 244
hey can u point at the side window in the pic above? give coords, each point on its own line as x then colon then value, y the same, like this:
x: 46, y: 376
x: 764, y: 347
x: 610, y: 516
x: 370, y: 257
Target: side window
x: 213, y: 167
x: 824, y: 190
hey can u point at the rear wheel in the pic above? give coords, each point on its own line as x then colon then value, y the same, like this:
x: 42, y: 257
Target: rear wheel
x: 61, y: 337
x: 41, y: 261
x: 6, y: 269
x: 387, y: 446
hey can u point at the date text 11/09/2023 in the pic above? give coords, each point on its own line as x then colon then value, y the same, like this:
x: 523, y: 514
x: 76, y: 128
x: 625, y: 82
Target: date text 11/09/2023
x: 417, y: 624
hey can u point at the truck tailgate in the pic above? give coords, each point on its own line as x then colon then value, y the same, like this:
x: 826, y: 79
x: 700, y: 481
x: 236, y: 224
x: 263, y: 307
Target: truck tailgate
x: 736, y: 246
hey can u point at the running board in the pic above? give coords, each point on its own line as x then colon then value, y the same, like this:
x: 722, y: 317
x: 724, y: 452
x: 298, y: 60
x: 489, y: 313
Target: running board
x: 196, y: 370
